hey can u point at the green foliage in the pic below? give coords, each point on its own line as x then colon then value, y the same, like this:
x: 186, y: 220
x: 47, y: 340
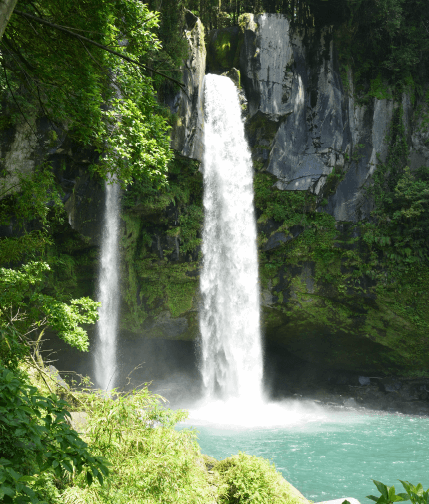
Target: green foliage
x: 184, y: 187
x: 401, y: 201
x: 248, y: 479
x: 141, y: 148
x: 388, y: 495
x: 378, y: 90
x: 25, y: 311
x: 415, y: 494
x: 36, y: 439
x: 169, y: 58
x: 101, y: 99
x: 180, y: 297
x: 24, y: 198
x: 151, y: 461
x: 386, y: 43
x: 290, y: 208
x: 190, y: 228
x: 280, y: 205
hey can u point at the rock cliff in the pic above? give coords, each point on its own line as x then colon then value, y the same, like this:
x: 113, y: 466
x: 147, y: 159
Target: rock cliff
x: 188, y: 103
x: 315, y: 148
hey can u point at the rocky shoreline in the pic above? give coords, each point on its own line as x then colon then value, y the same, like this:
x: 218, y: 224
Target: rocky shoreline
x: 409, y: 396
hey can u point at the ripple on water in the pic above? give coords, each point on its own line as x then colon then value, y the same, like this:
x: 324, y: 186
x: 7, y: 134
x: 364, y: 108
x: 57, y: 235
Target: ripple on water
x: 325, y: 453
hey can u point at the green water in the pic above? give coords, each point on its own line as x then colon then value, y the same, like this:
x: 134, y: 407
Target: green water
x: 336, y: 455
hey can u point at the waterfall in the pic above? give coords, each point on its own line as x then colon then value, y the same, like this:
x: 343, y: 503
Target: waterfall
x: 231, y: 360
x: 108, y: 292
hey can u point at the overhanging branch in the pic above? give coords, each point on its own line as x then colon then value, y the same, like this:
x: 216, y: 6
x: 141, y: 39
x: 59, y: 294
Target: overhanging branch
x: 101, y: 46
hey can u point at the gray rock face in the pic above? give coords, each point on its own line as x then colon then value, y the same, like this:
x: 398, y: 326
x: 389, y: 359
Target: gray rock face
x: 277, y: 239
x: 187, y: 134
x: 78, y: 421
x: 293, y: 79
x: 419, y: 155
x: 303, y: 122
x: 22, y: 149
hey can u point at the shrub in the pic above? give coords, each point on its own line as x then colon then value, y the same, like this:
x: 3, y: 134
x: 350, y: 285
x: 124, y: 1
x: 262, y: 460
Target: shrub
x: 151, y: 461
x: 415, y: 494
x: 248, y: 479
x: 36, y: 440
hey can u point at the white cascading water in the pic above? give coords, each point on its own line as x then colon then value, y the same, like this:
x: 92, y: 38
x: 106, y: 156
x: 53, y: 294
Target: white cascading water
x: 231, y: 364
x: 108, y: 292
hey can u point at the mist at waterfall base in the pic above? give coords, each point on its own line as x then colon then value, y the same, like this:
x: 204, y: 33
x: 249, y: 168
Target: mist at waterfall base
x: 325, y: 453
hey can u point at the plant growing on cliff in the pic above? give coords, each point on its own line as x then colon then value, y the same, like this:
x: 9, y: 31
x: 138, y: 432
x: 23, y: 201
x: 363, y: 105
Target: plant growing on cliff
x: 84, y: 66
x: 29, y: 204
x: 401, y: 200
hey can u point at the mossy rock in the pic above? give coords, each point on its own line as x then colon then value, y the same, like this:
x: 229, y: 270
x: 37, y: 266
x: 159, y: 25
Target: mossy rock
x: 223, y: 49
x: 356, y: 330
x: 261, y: 131
x: 234, y: 75
x: 325, y: 294
x: 245, y: 479
x: 160, y: 253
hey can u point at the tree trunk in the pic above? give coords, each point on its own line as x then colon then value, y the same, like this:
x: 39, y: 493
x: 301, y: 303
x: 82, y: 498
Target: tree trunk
x: 6, y: 9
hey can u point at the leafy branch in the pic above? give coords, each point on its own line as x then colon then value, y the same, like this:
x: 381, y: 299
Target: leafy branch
x: 101, y: 46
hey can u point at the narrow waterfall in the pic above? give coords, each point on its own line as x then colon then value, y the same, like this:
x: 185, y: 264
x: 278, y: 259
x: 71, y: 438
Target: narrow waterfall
x: 108, y: 292
x: 231, y: 361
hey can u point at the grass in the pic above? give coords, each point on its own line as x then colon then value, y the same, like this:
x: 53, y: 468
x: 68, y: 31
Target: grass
x: 152, y: 462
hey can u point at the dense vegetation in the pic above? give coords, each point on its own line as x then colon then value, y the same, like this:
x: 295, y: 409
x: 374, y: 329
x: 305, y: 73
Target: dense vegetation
x: 383, y: 41
x: 127, y: 451
x: 83, y: 67
x: 92, y: 70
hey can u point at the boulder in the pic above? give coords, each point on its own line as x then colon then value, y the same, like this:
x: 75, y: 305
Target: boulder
x: 78, y: 421
x: 55, y: 374
x: 350, y: 500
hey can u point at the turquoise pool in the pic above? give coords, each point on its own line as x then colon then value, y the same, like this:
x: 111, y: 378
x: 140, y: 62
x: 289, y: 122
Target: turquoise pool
x: 326, y: 454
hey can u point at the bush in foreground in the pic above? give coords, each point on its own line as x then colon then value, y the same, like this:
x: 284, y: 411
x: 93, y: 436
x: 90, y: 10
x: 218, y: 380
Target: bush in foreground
x: 247, y: 479
x: 151, y: 462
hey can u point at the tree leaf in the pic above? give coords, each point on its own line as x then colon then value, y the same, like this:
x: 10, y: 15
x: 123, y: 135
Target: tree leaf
x: 382, y: 488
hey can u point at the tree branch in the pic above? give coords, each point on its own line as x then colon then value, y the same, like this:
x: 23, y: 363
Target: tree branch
x: 101, y: 46
x: 16, y: 103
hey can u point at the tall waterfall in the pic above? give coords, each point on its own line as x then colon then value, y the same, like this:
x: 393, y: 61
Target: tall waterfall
x: 108, y: 292
x: 231, y: 363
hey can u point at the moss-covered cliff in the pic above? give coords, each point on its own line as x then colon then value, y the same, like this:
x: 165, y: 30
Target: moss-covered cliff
x: 340, y: 286
x: 160, y: 260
